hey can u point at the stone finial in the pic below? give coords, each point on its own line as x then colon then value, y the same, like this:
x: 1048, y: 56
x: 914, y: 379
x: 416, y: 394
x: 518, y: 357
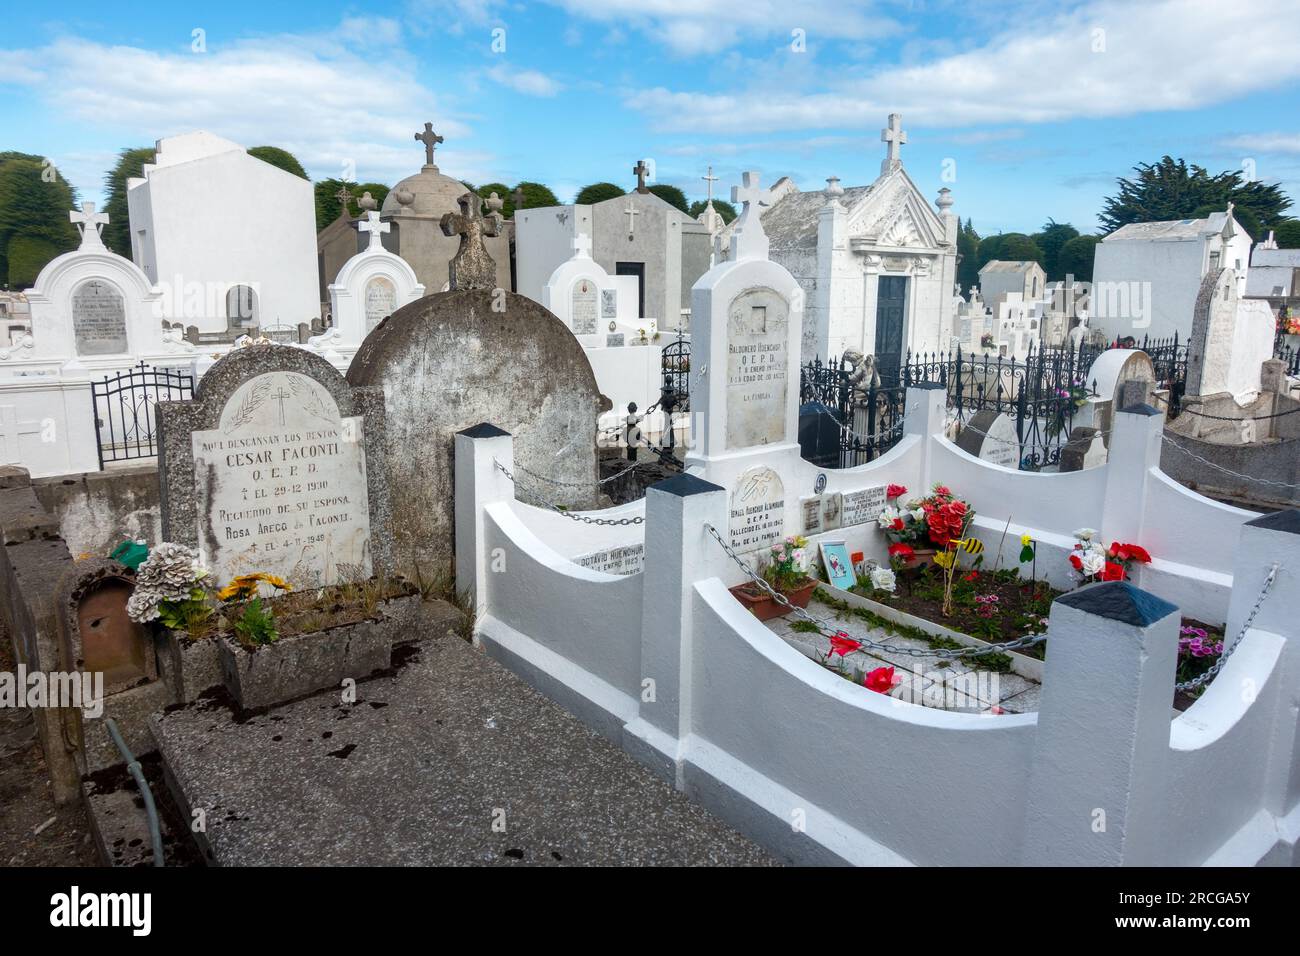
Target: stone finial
x: 944, y: 202
x: 90, y: 224
x: 473, y: 266
x: 748, y: 240
x: 495, y: 203
x: 833, y: 187
x: 404, y: 197
x: 367, y: 202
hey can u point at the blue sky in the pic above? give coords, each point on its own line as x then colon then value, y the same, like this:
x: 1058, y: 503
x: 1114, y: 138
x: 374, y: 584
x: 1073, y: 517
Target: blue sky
x: 1031, y: 108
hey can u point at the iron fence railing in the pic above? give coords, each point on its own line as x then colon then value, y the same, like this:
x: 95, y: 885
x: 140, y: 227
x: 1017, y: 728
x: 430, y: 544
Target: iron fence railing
x: 126, y: 423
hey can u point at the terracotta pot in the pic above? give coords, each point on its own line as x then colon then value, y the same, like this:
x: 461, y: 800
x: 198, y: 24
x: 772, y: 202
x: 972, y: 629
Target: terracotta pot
x: 764, y: 607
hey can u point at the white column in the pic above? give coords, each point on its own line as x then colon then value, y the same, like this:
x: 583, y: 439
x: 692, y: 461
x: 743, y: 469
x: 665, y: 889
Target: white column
x: 924, y: 415
x: 479, y: 482
x: 1102, y: 740
x: 678, y: 553
x: 1133, y: 452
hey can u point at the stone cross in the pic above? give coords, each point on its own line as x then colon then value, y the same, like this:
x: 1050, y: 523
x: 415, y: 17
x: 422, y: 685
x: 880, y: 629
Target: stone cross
x: 430, y: 139
x: 473, y: 267
x: 748, y: 240
x: 894, y: 135
x: 631, y: 213
x: 641, y: 169
x: 344, y: 197
x: 710, y: 179
x: 372, y: 225
x: 519, y: 199
x: 582, y: 246
x: 89, y: 224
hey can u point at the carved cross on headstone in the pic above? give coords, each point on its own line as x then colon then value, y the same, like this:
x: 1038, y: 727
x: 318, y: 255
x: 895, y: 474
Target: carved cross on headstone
x: 894, y: 135
x: 582, y: 246
x: 372, y: 225
x: 473, y: 266
x: 280, y: 396
x: 631, y: 213
x: 430, y: 139
x: 344, y: 197
x: 641, y: 170
x: 89, y: 224
x: 748, y: 240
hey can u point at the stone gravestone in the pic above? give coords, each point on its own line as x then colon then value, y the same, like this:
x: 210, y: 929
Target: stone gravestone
x: 757, y: 510
x: 583, y: 307
x: 277, y: 465
x: 98, y: 319
x: 458, y: 358
x: 991, y: 436
x: 380, y: 300
x: 757, y: 365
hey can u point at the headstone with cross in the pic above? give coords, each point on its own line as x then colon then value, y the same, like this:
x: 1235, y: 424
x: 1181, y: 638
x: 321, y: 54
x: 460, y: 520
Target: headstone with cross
x: 895, y: 137
x: 90, y: 224
x: 582, y: 246
x: 276, y: 465
x: 473, y: 266
x: 748, y: 240
x: 372, y: 225
x: 430, y: 139
x: 641, y: 170
x: 631, y: 212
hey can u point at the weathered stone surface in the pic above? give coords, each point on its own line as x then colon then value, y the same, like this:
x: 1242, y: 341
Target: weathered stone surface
x: 97, y: 635
x: 412, y: 773
x: 472, y: 267
x: 190, y: 495
x: 189, y: 667
x: 299, y: 665
x: 97, y: 510
x: 451, y: 361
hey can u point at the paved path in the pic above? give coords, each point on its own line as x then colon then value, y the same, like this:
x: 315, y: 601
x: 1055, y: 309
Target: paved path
x: 453, y: 761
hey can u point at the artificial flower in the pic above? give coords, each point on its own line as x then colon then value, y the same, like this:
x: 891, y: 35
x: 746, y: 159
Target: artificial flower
x: 1093, y: 563
x: 842, y: 644
x: 881, y: 680
x: 1130, y: 552
x: 895, y: 491
x: 1026, y: 541
x: 883, y: 579
x: 1085, y: 534
x: 1113, y: 572
x: 900, y: 550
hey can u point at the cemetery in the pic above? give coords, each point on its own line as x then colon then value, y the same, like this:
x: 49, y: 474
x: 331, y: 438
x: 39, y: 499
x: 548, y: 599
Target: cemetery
x: 672, y: 539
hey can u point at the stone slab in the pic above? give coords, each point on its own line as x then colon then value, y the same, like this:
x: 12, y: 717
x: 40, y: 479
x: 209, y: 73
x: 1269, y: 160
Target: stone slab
x: 416, y: 772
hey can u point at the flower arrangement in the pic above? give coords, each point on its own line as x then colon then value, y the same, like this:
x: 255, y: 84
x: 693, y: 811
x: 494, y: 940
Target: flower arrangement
x: 1199, y: 649
x: 986, y: 340
x: 256, y: 622
x: 1287, y: 323
x: 787, y: 568
x: 1092, y: 562
x: 169, y: 587
x: 930, y: 522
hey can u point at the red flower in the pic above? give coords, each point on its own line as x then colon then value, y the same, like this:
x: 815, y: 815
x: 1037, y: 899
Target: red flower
x: 942, y: 491
x: 973, y: 576
x: 895, y: 491
x: 1076, y: 562
x: 1129, y: 552
x: 904, y: 551
x: 842, y: 644
x: 898, y: 524
x: 1112, y: 572
x: 881, y: 680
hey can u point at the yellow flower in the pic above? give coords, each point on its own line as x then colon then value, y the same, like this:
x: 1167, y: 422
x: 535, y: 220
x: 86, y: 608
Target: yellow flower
x: 1025, y: 541
x: 245, y: 585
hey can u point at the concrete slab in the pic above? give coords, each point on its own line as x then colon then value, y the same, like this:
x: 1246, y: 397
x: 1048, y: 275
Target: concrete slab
x: 451, y: 761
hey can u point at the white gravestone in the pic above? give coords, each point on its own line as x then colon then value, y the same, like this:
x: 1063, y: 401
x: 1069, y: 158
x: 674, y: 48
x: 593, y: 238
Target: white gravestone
x: 862, y: 505
x: 98, y: 319
x: 810, y: 512
x: 757, y: 368
x: 582, y: 312
x: 281, y: 485
x: 757, y: 510
x: 381, y: 300
x: 991, y: 436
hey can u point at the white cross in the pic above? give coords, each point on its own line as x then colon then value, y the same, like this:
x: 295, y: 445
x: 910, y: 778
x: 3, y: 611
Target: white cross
x: 582, y: 246
x: 710, y: 179
x: 894, y: 135
x: 748, y: 241
x: 11, y: 431
x: 631, y: 212
x: 89, y: 224
x: 376, y: 228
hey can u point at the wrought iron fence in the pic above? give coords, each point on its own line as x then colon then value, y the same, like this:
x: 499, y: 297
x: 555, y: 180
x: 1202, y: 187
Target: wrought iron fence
x: 1169, y: 359
x: 1282, y: 343
x: 675, y: 365
x: 868, y: 417
x: 126, y: 409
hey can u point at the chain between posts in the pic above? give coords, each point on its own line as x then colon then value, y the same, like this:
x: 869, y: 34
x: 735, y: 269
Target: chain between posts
x: 1228, y: 650
x: 585, y: 519
x: 828, y: 630
x: 1228, y: 471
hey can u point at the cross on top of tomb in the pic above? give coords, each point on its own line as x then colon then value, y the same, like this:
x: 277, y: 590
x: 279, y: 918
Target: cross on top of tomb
x: 473, y: 267
x: 519, y: 199
x: 89, y: 224
x: 710, y: 179
x: 430, y: 139
x: 894, y: 135
x: 582, y: 246
x: 641, y: 170
x: 372, y: 225
x: 748, y: 240
x: 344, y: 197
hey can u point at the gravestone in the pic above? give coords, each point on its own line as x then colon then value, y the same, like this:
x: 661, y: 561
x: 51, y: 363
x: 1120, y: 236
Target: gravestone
x: 758, y: 359
x: 583, y: 307
x: 459, y: 358
x: 369, y: 287
x: 1231, y: 340
x: 1085, y: 449
x: 98, y: 319
x: 757, y: 510
x: 277, y: 465
x: 381, y: 300
x: 991, y: 436
x: 861, y: 505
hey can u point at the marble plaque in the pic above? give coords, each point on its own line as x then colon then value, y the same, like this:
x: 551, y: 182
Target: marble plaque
x: 625, y: 560
x: 98, y: 319
x: 614, y: 341
x: 810, y: 512
x: 832, y: 510
x: 582, y: 311
x: 862, y: 505
x: 757, y: 510
x: 991, y: 436
x: 381, y: 300
x: 757, y: 368
x: 281, y: 485
x: 609, y: 303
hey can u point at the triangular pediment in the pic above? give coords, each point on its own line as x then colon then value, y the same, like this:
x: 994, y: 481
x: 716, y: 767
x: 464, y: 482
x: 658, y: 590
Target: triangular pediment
x: 895, y: 214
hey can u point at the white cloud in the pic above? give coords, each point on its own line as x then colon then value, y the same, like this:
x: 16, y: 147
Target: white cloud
x: 1166, y: 55
x: 1266, y: 143
x: 528, y: 82
x: 313, y: 96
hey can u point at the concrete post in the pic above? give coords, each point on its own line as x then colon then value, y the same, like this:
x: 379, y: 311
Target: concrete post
x: 1134, y: 450
x: 678, y: 553
x: 1102, y: 742
x: 925, y: 413
x: 479, y: 482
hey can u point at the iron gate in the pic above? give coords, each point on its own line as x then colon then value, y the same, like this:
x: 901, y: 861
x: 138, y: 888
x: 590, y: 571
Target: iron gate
x: 126, y: 424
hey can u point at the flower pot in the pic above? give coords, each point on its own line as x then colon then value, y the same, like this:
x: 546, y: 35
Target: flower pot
x: 764, y: 607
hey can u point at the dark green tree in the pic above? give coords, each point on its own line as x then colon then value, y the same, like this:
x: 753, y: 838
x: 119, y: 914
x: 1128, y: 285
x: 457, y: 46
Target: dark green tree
x: 1287, y: 234
x: 1245, y: 217
x: 725, y: 209
x: 280, y: 159
x: 597, y: 192
x: 1173, y: 189
x: 536, y: 195
x: 1017, y: 247
x: 671, y: 195
x: 34, y: 225
x: 968, y: 248
x: 129, y: 165
x: 1050, y: 238
x: 1075, y: 257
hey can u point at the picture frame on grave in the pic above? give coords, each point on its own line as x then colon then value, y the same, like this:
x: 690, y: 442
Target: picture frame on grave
x: 838, y: 564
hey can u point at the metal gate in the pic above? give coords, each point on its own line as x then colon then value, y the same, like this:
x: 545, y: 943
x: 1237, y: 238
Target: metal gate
x: 126, y: 413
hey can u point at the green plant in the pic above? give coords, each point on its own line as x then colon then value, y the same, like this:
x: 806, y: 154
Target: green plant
x: 787, y: 568
x: 805, y: 627
x: 256, y: 625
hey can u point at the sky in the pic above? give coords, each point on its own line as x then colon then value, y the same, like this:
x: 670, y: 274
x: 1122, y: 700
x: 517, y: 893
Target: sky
x: 1027, y: 110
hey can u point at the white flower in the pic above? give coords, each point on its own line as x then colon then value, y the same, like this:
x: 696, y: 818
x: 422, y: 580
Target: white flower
x: 1097, y: 548
x: 1085, y: 534
x: 918, y: 514
x: 1092, y: 562
x: 800, y: 558
x: 887, y: 517
x: 882, y: 579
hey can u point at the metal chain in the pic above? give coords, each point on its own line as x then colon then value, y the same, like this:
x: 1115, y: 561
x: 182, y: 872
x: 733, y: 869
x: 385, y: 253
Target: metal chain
x: 585, y: 519
x: 1209, y: 675
x: 578, y: 484
x: 829, y: 630
x: 1184, y: 410
x: 1227, y: 471
x: 1013, y: 444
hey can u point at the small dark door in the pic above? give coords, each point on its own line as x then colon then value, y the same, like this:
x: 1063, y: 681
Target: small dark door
x: 635, y: 269
x: 891, y: 300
